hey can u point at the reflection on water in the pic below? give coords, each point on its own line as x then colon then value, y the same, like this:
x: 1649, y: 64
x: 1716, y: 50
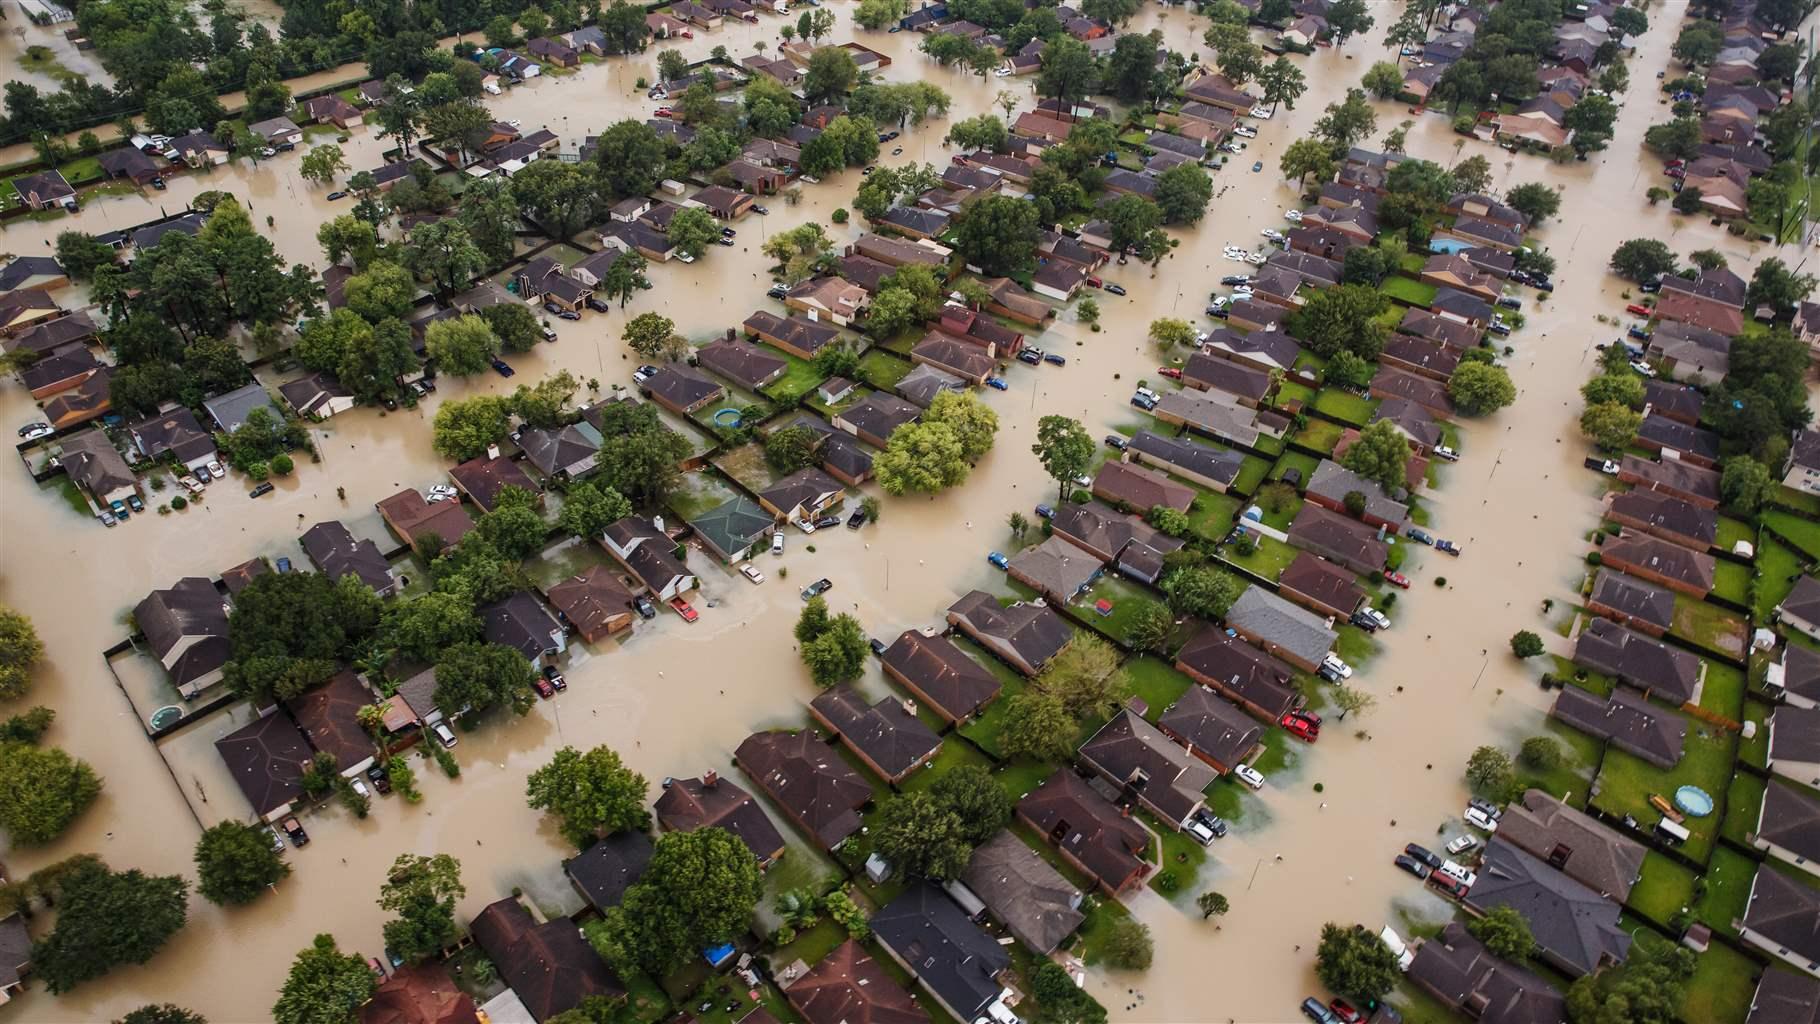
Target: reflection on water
x: 677, y: 698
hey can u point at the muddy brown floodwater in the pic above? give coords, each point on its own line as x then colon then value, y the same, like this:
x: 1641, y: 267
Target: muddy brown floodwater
x: 667, y: 699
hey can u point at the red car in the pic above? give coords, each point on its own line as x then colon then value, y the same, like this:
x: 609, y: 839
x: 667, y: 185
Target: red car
x: 543, y: 687
x: 683, y: 609
x: 1343, y: 1010
x: 1676, y: 172
x: 663, y: 112
x: 1635, y: 310
x: 1169, y: 371
x: 1397, y: 579
x: 1300, y: 728
x: 1677, y: 162
x: 1449, y: 885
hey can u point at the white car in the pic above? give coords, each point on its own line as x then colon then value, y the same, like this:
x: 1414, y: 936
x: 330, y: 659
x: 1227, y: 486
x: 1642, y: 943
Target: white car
x: 1332, y: 668
x: 1446, y: 454
x: 750, y: 571
x: 1272, y: 233
x: 1460, y: 872
x: 1464, y: 844
x: 34, y: 431
x: 1200, y: 831
x: 1398, y: 947
x: 1256, y: 259
x: 360, y: 787
x: 1241, y: 294
x: 190, y: 484
x: 1219, y: 302
x: 1249, y: 776
x: 1294, y: 216
x: 1245, y: 133
x: 683, y: 257
x: 1642, y: 367
x: 1002, y: 73
x: 777, y: 543
x: 1261, y: 113
x: 440, y: 492
x: 804, y: 525
x: 1480, y: 820
x: 215, y: 470
x: 1378, y: 618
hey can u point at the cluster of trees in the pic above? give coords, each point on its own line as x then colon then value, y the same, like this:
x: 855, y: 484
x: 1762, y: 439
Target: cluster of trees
x: 832, y: 646
x: 592, y: 794
x: 939, y: 450
x: 932, y: 833
x: 1381, y: 454
x: 1614, y: 402
x: 1082, y: 681
x: 106, y: 918
x: 699, y: 890
x: 42, y: 789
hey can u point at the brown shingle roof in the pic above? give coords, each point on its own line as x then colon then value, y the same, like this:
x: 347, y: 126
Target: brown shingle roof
x: 808, y: 780
x: 942, y: 672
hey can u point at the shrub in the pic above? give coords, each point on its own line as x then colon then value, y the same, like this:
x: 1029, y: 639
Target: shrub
x: 282, y: 465
x: 180, y: 502
x: 1525, y: 644
x: 839, y: 216
x: 1541, y: 753
x: 258, y: 471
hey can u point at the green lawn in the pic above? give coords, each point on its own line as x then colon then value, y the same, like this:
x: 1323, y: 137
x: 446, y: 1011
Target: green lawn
x: 1307, y: 464
x: 1572, y: 778
x: 1354, y: 646
x: 1743, y: 804
x: 1156, y: 682
x: 1800, y: 501
x: 1663, y: 890
x: 1267, y: 562
x: 1178, y: 863
x: 1418, y: 1007
x: 1802, y: 533
x: 1292, y: 391
x: 1211, y: 516
x: 1583, y: 678
x: 985, y: 729
x: 1755, y: 751
x: 1626, y: 782
x: 1731, y: 531
x: 1722, y: 987
x: 1409, y: 291
x: 1778, y: 566
x: 1251, y: 474
x: 883, y: 370
x: 1345, y: 407
x: 1709, y: 626
x: 1319, y: 435
x: 797, y: 381
x: 955, y: 752
x: 1731, y: 581
x: 1723, y: 690
x: 1127, y: 600
x: 1727, y: 889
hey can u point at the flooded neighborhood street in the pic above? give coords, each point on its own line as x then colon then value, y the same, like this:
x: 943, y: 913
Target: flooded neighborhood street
x: 1314, y: 846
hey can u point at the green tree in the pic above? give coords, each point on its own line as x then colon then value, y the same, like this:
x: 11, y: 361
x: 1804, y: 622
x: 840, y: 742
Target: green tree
x: 590, y: 507
x: 592, y: 794
x: 1064, y: 448
x: 920, y: 837
x: 235, y: 862
x: 830, y: 75
x: 698, y: 890
x: 1060, y: 1000
x: 1623, y: 387
x: 514, y: 527
x: 1505, y: 932
x: 638, y: 454
x: 789, y: 449
x: 1698, y: 43
x: 1480, y: 388
x: 838, y: 653
x: 1534, y: 200
x: 1150, y: 628
x: 1212, y: 904
x: 1773, y: 284
x: 162, y: 1013
x: 322, y: 163
x: 1488, y: 772
x: 973, y: 423
x: 1541, y: 753
x: 1642, y: 259
x: 81, y: 254
x: 1182, y: 194
x: 461, y: 346
x: 652, y: 336
x: 1383, y: 79
x: 1201, y: 590
x: 443, y: 253
x: 1610, y: 425
x: 561, y: 196
x: 107, y: 918
x: 348, y: 238
x: 1342, y: 319
x: 1168, y: 332
x: 1745, y: 484
x: 515, y: 326
x: 423, y: 627
x: 464, y: 427
x: 998, y: 234
x: 1525, y: 644
x: 1085, y: 676
x: 1036, y: 726
x: 1381, y: 454
x: 976, y: 798
x: 1355, y: 964
x: 1305, y: 158
x: 42, y: 790
x: 1349, y: 121
x: 482, y: 676
x: 692, y: 230
x: 381, y: 290
x: 1678, y: 138
x: 20, y: 652
x: 325, y: 986
x: 1648, y: 989
x: 1281, y: 83
x: 422, y: 892
x: 490, y: 214
x: 921, y: 458
x: 1128, y: 946
x: 545, y: 405
x: 1069, y: 72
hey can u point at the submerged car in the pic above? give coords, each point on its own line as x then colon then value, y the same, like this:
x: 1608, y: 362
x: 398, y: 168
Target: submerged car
x: 818, y: 588
x: 999, y: 560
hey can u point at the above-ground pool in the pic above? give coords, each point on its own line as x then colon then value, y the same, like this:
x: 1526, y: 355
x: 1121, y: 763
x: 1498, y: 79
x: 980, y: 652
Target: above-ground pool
x: 727, y: 418
x: 166, y: 715
x: 1694, y: 800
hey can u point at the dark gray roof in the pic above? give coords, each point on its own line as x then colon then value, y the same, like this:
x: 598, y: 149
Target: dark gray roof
x: 15, y: 950
x: 520, y: 622
x: 888, y: 733
x: 1644, y: 602
x: 1056, y: 568
x: 751, y: 366
x: 923, y: 383
x: 266, y: 757
x: 942, y: 672
x: 338, y: 554
x: 1679, y: 436
x: 1270, y: 618
x: 878, y: 414
x: 1669, y: 513
x: 1785, y: 997
x: 1204, y: 461
x: 1803, y: 601
x: 1575, y: 926
x: 1458, y: 969
x: 1786, y: 912
x: 1790, y: 818
x: 1274, y: 346
x: 1412, y: 419
x: 176, y: 432
x: 1675, y: 475
x: 1212, y: 725
x: 1019, y: 887
x: 1794, y: 734
x: 1034, y: 631
x: 605, y: 870
x: 1333, y: 481
x: 1586, y: 850
x: 948, y: 953
x: 190, y: 610
x: 1131, y: 752
x: 1801, y: 671
x: 230, y: 410
x: 1637, y: 660
x: 1628, y: 721
x: 1640, y: 551
x: 566, y: 449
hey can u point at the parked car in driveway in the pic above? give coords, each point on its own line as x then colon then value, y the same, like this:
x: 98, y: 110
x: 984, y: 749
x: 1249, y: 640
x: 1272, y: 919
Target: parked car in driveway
x: 1462, y: 844
x: 684, y: 609
x: 750, y: 571
x: 997, y: 384
x: 1249, y: 776
x: 1419, y: 535
x: 1117, y: 443
x: 294, y: 828
x: 1477, y: 818
x: 857, y: 519
x: 543, y: 687
x: 1314, y: 1010
x: 999, y: 560
x: 1397, y: 579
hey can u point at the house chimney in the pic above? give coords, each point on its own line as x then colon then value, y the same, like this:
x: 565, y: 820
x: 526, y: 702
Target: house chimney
x: 910, y: 707
x: 709, y: 779
x: 657, y: 523
x: 492, y: 451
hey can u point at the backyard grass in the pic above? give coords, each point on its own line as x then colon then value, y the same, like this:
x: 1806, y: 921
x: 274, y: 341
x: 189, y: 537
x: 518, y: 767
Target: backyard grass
x: 1755, y: 751
x: 1211, y: 516
x: 1267, y: 562
x: 1731, y: 581
x: 955, y: 752
x: 883, y: 370
x: 1572, y: 778
x: 1730, y: 531
x: 1319, y: 435
x: 1722, y: 987
x: 984, y: 730
x: 1663, y: 890
x: 1743, y: 804
x: 1583, y: 678
x: 1723, y: 690
x: 1156, y: 683
x: 1800, y: 501
x: 1802, y: 533
x: 1418, y: 1007
x: 1626, y: 782
x: 1292, y: 391
x: 747, y: 465
x: 854, y: 397
x: 1127, y: 599
x: 1709, y: 626
x: 1251, y: 474
x: 797, y: 381
x: 1727, y: 889
x: 1345, y: 407
x: 1307, y: 464
x: 1778, y: 566
x: 1354, y: 646
x: 1409, y: 291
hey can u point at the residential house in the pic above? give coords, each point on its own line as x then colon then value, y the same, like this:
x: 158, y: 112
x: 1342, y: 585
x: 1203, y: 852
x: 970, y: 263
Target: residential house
x: 1696, y: 485
x: 875, y: 417
x: 42, y: 336
x: 564, y: 453
x: 1452, y: 270
x: 1211, y: 728
x: 1678, y: 402
x: 978, y: 330
x: 199, y: 149
x: 1058, y: 280
x: 1574, y: 843
x: 1056, y: 569
x: 1124, y: 485
x: 86, y: 399
x: 1783, y: 920
x: 1663, y: 516
x: 521, y: 622
x: 1257, y: 682
x: 932, y: 938
x: 735, y: 529
x: 829, y: 299
x: 1019, y: 888
x: 1799, y: 611
x: 804, y: 495
x: 1479, y: 230
x: 923, y: 384
x: 1802, y: 471
x: 1672, y: 439
x: 550, y: 966
x: 799, y: 336
x: 1248, y: 386
x: 1576, y: 929
x: 1162, y: 776
x: 724, y: 203
x: 713, y: 802
x: 555, y: 51
x: 483, y: 478
x: 333, y: 550
x: 229, y: 411
x: 1331, y: 483
x: 1631, y: 601
x: 92, y: 461
x: 1413, y: 420
x: 637, y: 237
x: 419, y: 994
x: 1339, y: 538
x: 864, y: 271
x: 1297, y: 636
x: 1217, y: 91
x: 1788, y: 826
x: 1108, y: 534
x: 1026, y: 635
x: 1090, y: 832
x: 808, y: 781
x: 1794, y: 744
x: 130, y: 164
x: 1321, y: 586
x: 23, y: 309
x: 591, y: 270
x: 1784, y: 997
x: 266, y: 758
x: 1796, y: 678
x: 1209, y: 467
x: 849, y: 987
x: 63, y: 369
x: 915, y: 222
x: 329, y: 716
x: 595, y: 603
x: 887, y: 736
x: 650, y: 556
x: 1713, y: 300
x: 1457, y: 970
x: 685, y: 391
x: 332, y: 109
x: 44, y: 190
x: 277, y: 131
x: 899, y: 253
x: 1660, y: 561
x: 1640, y: 661
x: 1213, y: 415
x: 186, y: 628
x: 1628, y: 722
x: 1265, y: 351
x: 1010, y: 300
x: 940, y: 674
x: 317, y: 396
x: 172, y: 434
x: 1424, y: 324
x: 1690, y: 353
x: 427, y: 526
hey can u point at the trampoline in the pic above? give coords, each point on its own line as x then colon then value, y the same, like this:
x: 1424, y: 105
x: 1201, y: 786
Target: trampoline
x: 727, y: 418
x: 1694, y: 801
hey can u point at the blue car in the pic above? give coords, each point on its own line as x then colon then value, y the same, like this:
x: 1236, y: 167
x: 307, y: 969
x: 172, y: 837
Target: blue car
x: 997, y: 384
x: 1420, y: 536
x: 1045, y: 512
x: 1257, y: 166
x: 504, y: 369
x: 999, y: 560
